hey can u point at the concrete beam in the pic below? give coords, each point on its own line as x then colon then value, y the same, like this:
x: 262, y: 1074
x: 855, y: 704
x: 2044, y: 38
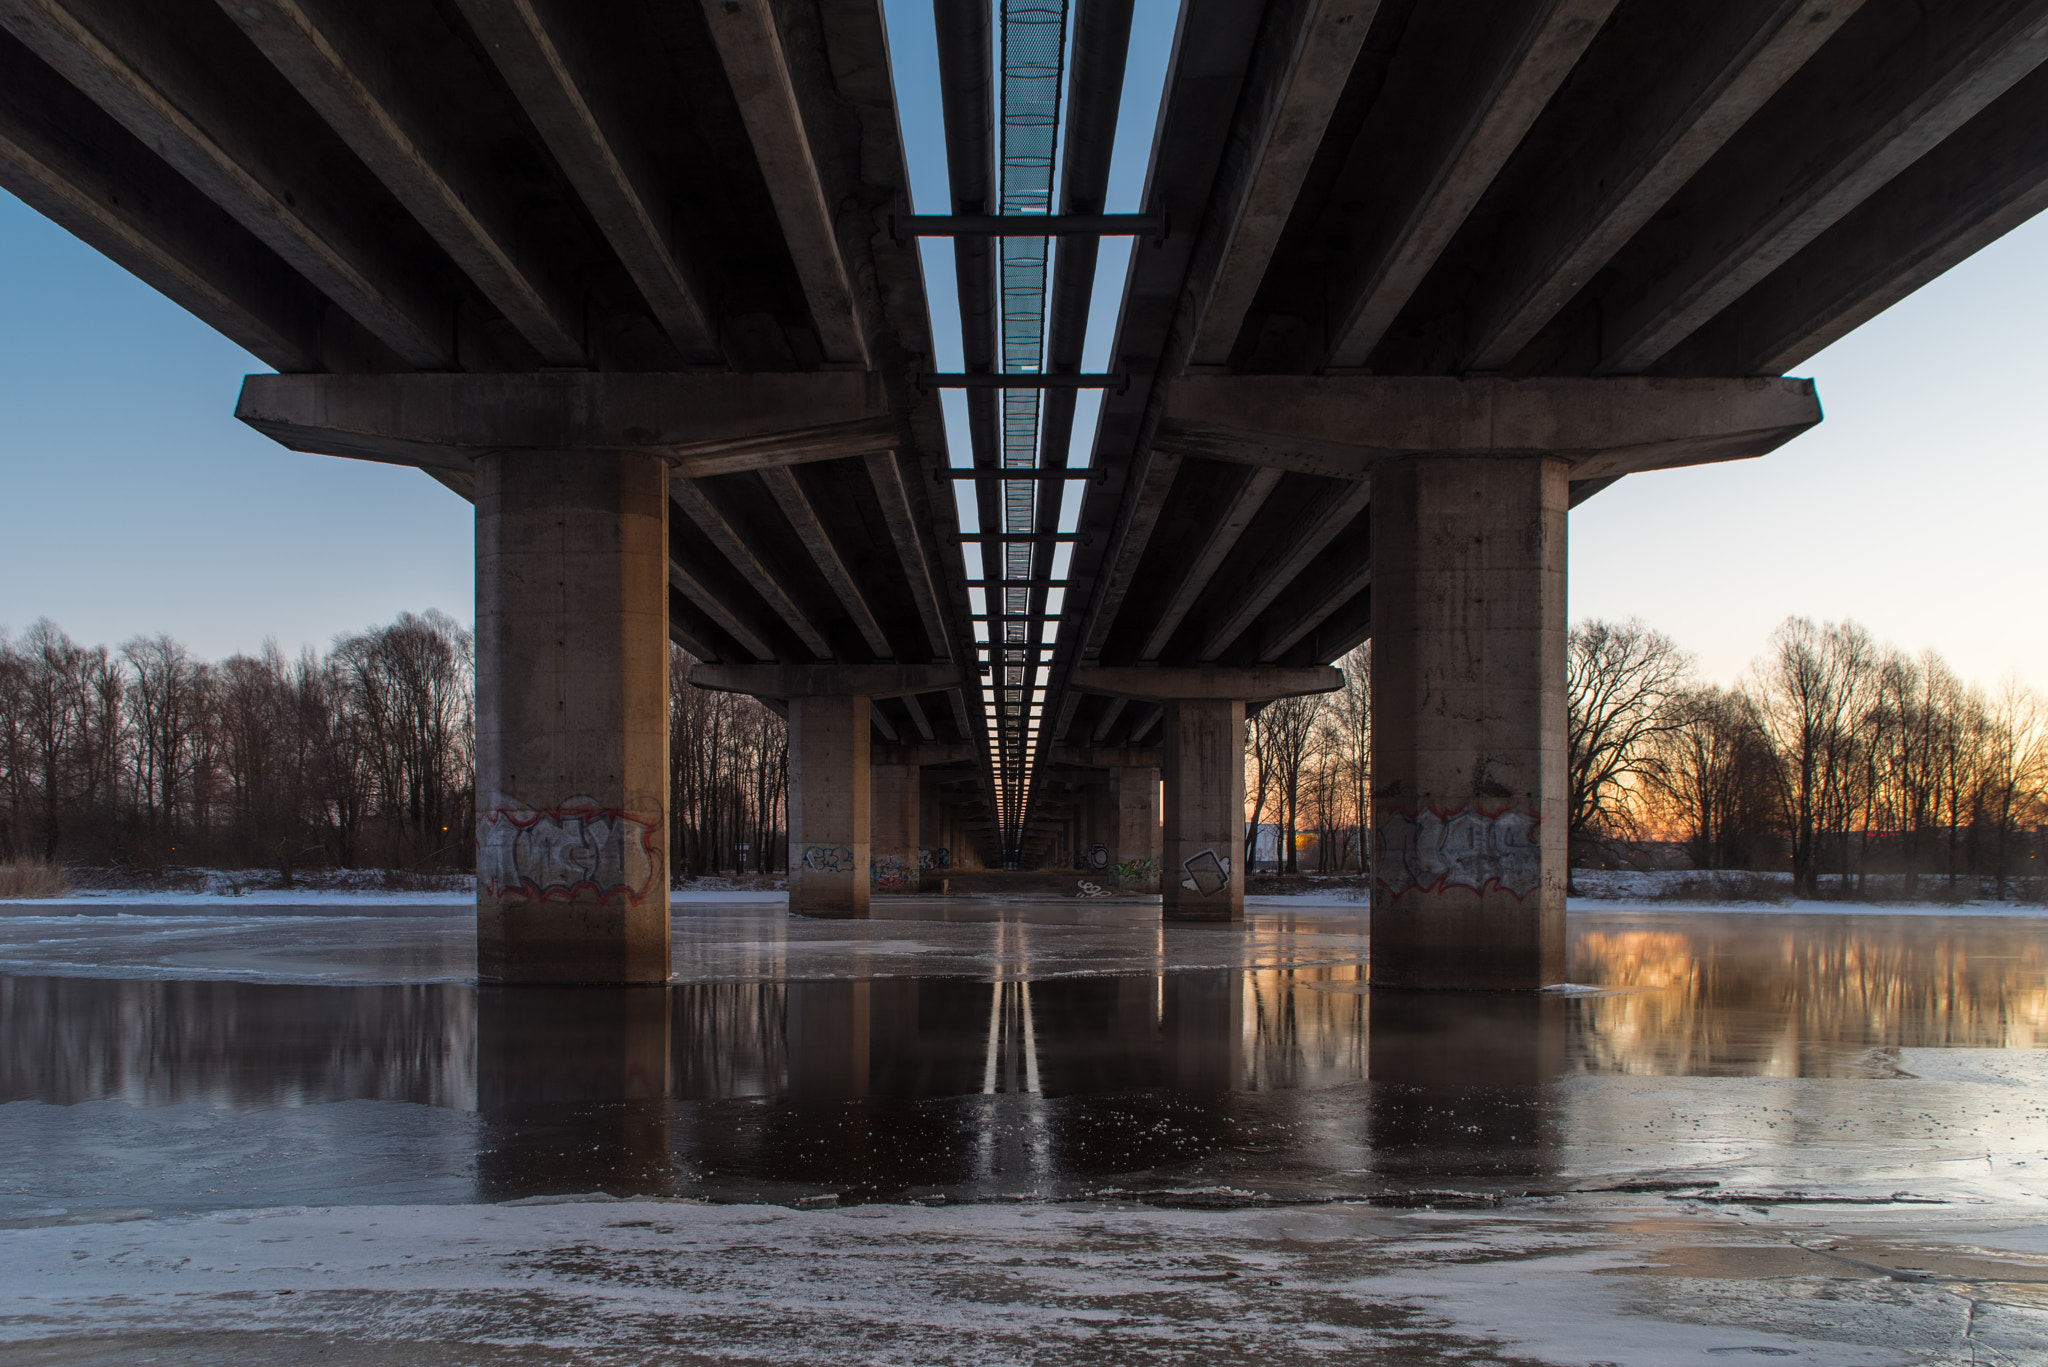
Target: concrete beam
x: 810, y: 529
x: 924, y: 754
x: 1282, y: 564
x: 1439, y: 133
x: 70, y: 161
x: 825, y: 680
x: 886, y: 475
x: 175, y: 106
x: 701, y: 424
x: 1640, y: 157
x: 331, y: 57
x: 713, y: 605
x: 1154, y: 479
x: 1107, y: 756
x: 751, y: 51
x: 1342, y: 425
x: 1244, y: 685
x: 1257, y: 486
x: 751, y: 563
x: 1896, y: 82
x: 1286, y: 118
x: 530, y: 43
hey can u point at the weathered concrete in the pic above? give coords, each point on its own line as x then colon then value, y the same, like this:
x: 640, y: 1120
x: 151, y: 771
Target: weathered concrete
x: 894, y: 842
x: 1344, y: 426
x: 1212, y: 682
x: 1468, y: 700
x: 572, y: 718
x: 703, y: 424
x: 1136, y: 788
x: 830, y: 837
x: 1201, y: 873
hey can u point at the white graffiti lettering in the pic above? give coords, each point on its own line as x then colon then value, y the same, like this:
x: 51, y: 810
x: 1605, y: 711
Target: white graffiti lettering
x: 561, y: 852
x: 1431, y: 851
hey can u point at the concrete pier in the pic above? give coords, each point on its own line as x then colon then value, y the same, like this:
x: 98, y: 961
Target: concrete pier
x: 1468, y: 698
x: 1202, y: 868
x: 572, y: 717
x: 830, y: 836
x: 895, y: 803
x: 1136, y: 790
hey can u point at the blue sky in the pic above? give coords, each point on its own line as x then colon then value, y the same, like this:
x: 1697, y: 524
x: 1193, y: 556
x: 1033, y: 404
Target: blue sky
x: 136, y: 503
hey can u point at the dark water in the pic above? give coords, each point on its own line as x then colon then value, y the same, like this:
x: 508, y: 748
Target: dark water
x: 1209, y: 1083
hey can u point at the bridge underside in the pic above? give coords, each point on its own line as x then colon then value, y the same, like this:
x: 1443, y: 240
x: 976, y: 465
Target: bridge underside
x: 632, y: 280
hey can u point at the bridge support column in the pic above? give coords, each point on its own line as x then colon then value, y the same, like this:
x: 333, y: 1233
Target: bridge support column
x: 894, y: 843
x: 1468, y: 699
x: 1137, y: 826
x: 572, y: 717
x: 830, y: 837
x: 1201, y: 876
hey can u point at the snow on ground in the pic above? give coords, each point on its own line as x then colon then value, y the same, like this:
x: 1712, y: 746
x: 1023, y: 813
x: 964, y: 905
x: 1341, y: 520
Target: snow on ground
x: 589, y: 1280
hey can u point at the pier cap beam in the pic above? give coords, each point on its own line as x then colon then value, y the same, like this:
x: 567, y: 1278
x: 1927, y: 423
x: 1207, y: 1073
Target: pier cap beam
x: 825, y: 680
x: 1342, y: 425
x: 1220, y: 682
x: 702, y: 424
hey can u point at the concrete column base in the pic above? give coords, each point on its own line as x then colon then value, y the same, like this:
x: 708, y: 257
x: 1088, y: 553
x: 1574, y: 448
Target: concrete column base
x: 830, y: 838
x: 1468, y: 698
x: 1201, y: 876
x: 1136, y: 788
x: 572, y: 718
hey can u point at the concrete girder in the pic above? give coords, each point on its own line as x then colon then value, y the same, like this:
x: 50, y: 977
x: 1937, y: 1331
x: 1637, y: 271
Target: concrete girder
x: 1484, y: 74
x: 739, y: 549
x: 810, y: 529
x: 751, y: 51
x: 1281, y: 566
x: 882, y: 723
x: 702, y: 424
x: 69, y: 160
x: 885, y: 473
x: 1257, y: 486
x: 1591, y: 207
x: 566, y: 105
x: 713, y: 605
x: 326, y: 51
x: 1985, y: 179
x: 1253, y: 684
x: 918, y: 719
x: 1107, y: 722
x: 1159, y: 468
x: 1107, y: 756
x: 1286, y: 126
x: 176, y: 108
x: 1868, y: 107
x: 825, y: 680
x: 1341, y: 426
x: 924, y: 754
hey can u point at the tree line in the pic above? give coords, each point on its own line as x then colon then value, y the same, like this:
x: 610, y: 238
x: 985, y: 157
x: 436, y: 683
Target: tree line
x: 1836, y: 755
x: 361, y: 756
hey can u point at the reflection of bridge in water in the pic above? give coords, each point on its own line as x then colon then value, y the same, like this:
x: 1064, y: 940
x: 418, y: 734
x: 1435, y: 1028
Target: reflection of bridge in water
x: 1272, y: 1078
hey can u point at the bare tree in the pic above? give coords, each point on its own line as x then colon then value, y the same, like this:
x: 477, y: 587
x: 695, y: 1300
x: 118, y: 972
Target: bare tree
x: 1814, y: 692
x: 1621, y: 679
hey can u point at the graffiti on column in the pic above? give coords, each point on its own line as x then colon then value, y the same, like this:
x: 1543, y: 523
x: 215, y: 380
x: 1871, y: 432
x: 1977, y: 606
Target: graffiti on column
x: 940, y: 858
x: 1208, y: 873
x: 828, y: 859
x: 1432, y: 850
x: 888, y: 872
x: 1098, y: 857
x: 561, y: 852
x: 1137, y: 870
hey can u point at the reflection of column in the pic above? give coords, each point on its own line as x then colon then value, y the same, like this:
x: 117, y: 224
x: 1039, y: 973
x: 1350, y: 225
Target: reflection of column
x: 572, y: 717
x: 574, y: 1086
x: 894, y: 823
x: 1468, y: 699
x: 1457, y: 1079
x: 829, y: 832
x: 1202, y: 1024
x: 1202, y: 876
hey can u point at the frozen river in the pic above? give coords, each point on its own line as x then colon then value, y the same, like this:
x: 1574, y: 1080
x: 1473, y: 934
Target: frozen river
x: 944, y: 1117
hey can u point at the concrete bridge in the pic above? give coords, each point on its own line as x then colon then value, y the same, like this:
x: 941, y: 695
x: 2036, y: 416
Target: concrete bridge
x: 1410, y: 279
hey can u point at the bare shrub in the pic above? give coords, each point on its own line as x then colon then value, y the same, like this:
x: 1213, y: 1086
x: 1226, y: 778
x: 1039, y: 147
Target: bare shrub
x: 33, y: 878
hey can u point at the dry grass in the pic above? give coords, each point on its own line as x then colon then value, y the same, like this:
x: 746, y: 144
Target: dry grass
x: 33, y: 878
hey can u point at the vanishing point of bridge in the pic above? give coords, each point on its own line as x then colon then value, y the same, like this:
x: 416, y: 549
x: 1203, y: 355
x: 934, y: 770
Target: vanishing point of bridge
x: 1407, y: 280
